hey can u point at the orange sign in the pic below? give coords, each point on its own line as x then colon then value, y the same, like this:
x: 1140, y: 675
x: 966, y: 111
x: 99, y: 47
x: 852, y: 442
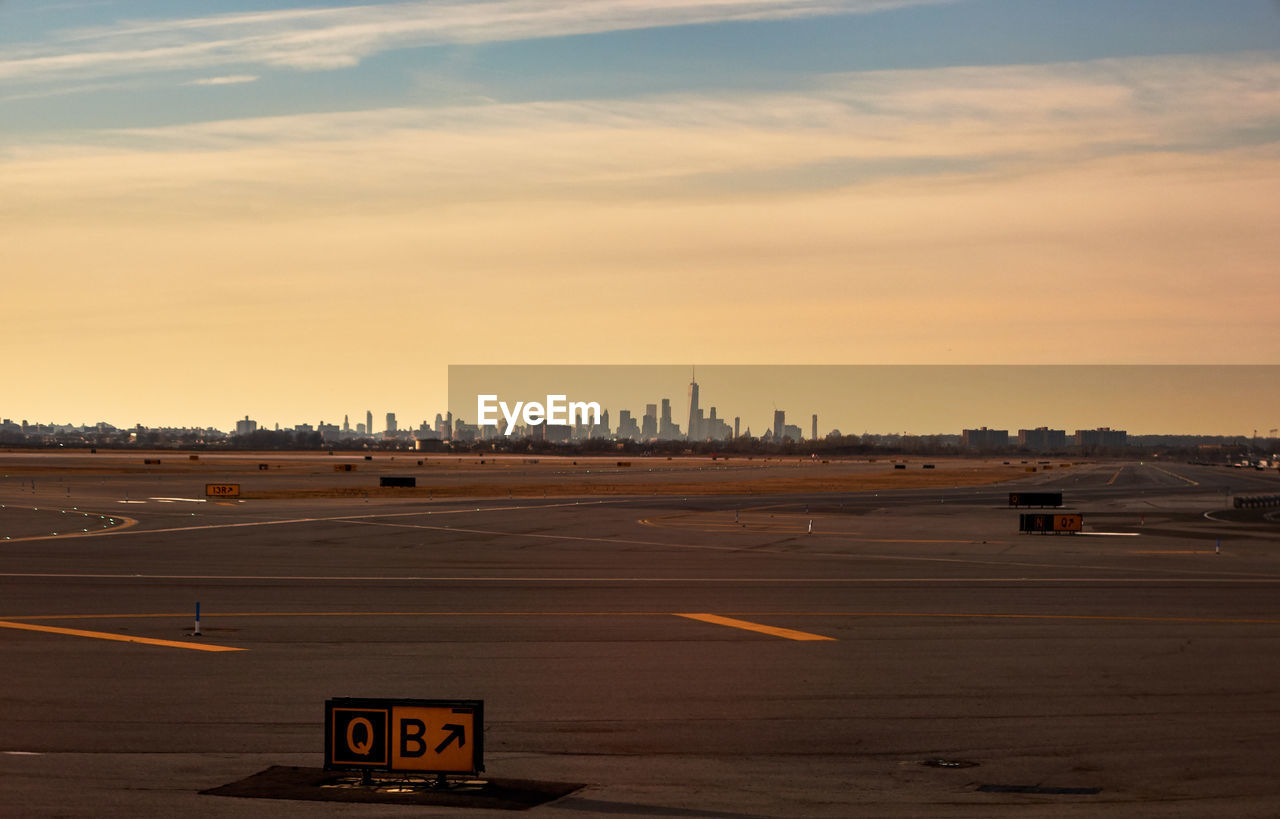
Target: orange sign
x: 433, y: 739
x: 422, y: 736
x: 222, y: 490
x: 1067, y: 523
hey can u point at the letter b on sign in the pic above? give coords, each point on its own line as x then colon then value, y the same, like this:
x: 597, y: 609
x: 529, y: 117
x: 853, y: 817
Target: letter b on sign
x: 412, y: 743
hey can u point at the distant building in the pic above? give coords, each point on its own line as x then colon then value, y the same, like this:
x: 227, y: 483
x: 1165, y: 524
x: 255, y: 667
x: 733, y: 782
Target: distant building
x: 649, y: 425
x: 668, y: 430
x: 779, y: 421
x: 715, y: 428
x: 368, y: 422
x: 792, y: 432
x: 628, y: 429
x: 462, y: 431
x: 1042, y: 438
x: 557, y: 433
x: 391, y: 424
x: 246, y: 427
x: 814, y: 436
x: 983, y: 438
x: 695, y: 414
x: 1101, y: 437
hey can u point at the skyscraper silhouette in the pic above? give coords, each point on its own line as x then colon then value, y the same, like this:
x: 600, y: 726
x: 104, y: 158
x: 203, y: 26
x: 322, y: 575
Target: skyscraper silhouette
x: 694, y: 432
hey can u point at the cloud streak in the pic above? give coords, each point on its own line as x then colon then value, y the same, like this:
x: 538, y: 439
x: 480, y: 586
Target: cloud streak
x: 317, y: 39
x: 1103, y: 211
x: 844, y: 130
x: 232, y: 79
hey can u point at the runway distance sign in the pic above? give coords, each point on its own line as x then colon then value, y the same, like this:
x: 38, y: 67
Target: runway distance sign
x: 1050, y: 523
x: 404, y: 736
x: 222, y: 490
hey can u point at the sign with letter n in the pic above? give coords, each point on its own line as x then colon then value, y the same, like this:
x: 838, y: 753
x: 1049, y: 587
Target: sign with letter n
x: 404, y: 736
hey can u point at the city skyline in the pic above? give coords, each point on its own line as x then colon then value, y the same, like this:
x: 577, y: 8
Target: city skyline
x: 916, y: 400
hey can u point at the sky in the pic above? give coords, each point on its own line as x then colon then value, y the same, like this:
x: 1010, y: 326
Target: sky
x: 296, y: 211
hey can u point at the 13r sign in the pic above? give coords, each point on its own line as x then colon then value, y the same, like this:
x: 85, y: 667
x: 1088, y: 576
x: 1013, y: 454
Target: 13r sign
x: 410, y: 736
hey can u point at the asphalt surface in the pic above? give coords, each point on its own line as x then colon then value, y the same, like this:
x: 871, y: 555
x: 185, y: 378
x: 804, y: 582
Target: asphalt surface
x: 1129, y: 670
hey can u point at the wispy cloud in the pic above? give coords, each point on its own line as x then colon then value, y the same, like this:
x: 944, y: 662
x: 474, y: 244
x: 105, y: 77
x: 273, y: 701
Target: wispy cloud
x: 312, y: 39
x: 232, y: 79
x: 854, y: 126
x: 886, y: 214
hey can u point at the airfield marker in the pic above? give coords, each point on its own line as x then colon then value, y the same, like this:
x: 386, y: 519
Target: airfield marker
x: 197, y: 633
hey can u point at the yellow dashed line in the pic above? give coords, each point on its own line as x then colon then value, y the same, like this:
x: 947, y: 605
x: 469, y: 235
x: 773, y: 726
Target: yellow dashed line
x: 122, y: 638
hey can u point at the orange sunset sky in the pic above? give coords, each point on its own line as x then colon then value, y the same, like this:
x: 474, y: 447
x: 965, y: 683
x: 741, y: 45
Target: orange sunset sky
x: 299, y: 212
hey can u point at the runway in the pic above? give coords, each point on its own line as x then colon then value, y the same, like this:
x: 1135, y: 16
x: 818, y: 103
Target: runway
x: 709, y: 655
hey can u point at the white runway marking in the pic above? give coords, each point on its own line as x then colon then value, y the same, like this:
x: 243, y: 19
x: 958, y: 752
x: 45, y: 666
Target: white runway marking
x: 367, y: 520
x: 767, y: 551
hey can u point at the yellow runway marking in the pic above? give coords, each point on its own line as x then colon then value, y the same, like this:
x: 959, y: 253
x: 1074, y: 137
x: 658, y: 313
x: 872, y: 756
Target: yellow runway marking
x: 785, y: 633
x: 1175, y: 475
x: 122, y: 638
x: 1113, y: 477
x: 714, y: 619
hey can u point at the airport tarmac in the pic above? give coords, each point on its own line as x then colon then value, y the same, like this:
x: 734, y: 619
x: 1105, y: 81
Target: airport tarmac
x: 709, y: 655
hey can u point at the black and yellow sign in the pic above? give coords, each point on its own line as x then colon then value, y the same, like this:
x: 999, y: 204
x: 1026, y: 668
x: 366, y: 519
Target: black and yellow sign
x: 419, y: 736
x: 1051, y: 523
x: 222, y: 490
x: 1035, y: 498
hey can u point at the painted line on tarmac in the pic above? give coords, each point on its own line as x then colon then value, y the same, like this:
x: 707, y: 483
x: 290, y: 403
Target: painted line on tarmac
x: 343, y: 518
x: 1171, y: 552
x: 757, y: 528
x: 1174, y: 475
x: 716, y: 619
x: 767, y: 551
x: 1220, y: 578
x: 125, y: 523
x: 1005, y: 616
x: 226, y: 614
x: 699, y: 546
x: 1113, y: 477
x: 122, y: 638
x: 745, y: 625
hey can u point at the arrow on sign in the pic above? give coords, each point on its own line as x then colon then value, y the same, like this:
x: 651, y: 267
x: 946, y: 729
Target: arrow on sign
x: 457, y: 732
